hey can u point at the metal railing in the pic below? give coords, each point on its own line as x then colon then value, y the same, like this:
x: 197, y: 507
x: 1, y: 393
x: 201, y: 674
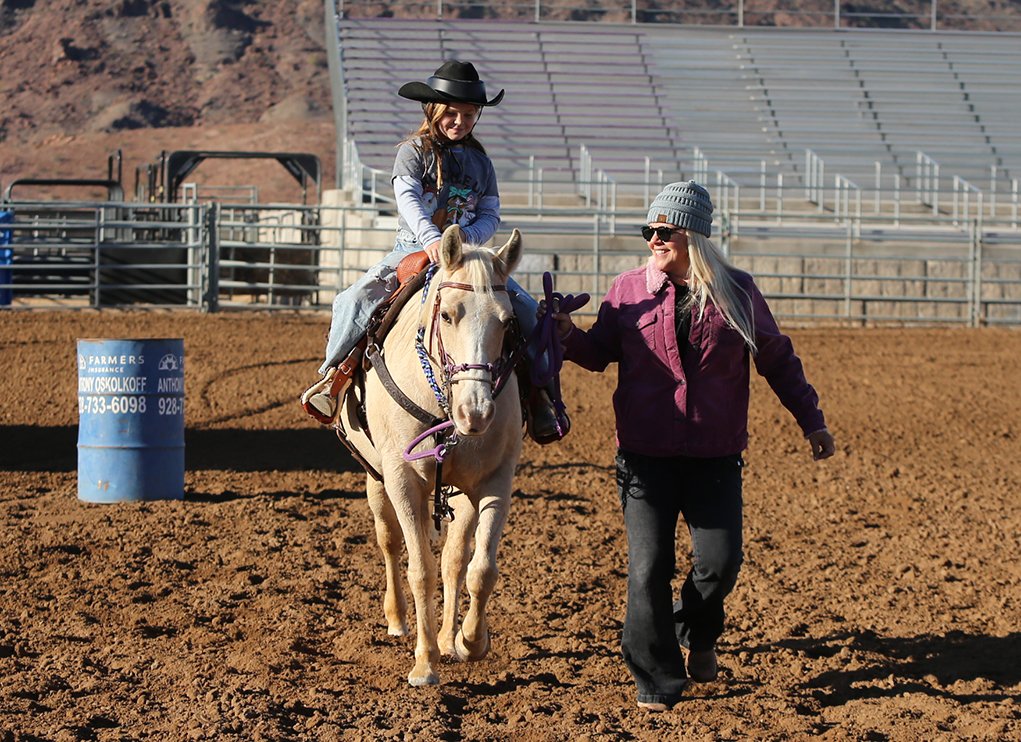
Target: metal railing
x: 928, y: 15
x: 856, y: 268
x: 963, y: 191
x: 843, y: 200
x: 104, y: 254
x: 927, y: 181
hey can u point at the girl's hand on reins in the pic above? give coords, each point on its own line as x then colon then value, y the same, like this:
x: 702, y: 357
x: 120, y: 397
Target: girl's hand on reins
x: 433, y: 251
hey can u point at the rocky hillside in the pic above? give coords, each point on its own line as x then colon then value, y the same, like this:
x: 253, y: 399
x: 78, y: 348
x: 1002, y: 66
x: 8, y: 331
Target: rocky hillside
x: 80, y: 78
x: 113, y: 65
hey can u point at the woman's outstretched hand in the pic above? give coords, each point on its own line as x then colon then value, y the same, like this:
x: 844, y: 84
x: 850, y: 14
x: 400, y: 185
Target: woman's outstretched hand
x: 564, y: 322
x: 822, y: 444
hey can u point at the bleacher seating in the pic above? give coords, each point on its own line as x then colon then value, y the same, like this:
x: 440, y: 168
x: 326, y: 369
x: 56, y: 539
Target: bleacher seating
x: 742, y: 96
x: 567, y: 86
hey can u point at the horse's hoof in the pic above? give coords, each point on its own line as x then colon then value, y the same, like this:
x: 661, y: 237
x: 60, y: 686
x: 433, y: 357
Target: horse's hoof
x: 419, y: 681
x: 397, y: 630
x: 471, y: 651
x: 447, y: 649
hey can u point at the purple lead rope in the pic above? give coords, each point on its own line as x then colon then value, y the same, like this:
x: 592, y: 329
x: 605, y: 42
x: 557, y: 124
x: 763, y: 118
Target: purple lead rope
x: 548, y: 359
x: 440, y: 452
x: 441, y: 509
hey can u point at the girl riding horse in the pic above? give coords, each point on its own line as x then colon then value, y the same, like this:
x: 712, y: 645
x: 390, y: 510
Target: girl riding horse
x: 442, y: 176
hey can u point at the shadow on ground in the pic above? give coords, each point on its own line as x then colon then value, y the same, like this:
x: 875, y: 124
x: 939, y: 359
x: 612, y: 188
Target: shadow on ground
x: 929, y: 663
x: 55, y: 449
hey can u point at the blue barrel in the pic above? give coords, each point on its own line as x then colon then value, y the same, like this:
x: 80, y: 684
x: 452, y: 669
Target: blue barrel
x: 6, y: 276
x: 130, y: 420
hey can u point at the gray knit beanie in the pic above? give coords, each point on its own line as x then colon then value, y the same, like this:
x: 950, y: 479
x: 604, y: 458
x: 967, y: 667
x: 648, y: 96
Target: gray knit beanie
x: 686, y: 205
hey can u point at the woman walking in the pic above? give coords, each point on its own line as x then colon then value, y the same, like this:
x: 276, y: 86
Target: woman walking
x: 683, y: 331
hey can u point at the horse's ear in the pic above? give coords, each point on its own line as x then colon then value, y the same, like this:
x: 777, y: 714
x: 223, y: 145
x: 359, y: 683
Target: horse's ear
x: 508, y: 256
x: 450, y: 248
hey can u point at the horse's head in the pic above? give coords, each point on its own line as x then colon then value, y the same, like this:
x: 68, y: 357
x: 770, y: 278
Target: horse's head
x: 471, y: 316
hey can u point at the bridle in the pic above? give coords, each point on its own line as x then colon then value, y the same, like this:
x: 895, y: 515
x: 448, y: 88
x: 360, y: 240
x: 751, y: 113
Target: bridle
x: 435, y: 355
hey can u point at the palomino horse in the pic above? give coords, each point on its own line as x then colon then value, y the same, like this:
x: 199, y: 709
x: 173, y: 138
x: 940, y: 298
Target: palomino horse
x: 459, y: 334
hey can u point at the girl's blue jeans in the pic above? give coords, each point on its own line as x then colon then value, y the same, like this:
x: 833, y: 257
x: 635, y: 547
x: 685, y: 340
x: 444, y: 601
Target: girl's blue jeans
x: 654, y: 491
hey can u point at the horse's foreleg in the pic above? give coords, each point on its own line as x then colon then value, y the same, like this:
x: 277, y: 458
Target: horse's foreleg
x: 454, y: 565
x: 390, y: 540
x: 412, y: 512
x: 472, y: 641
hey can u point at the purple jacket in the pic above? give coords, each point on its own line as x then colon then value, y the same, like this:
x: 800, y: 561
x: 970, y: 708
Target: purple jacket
x: 698, y: 408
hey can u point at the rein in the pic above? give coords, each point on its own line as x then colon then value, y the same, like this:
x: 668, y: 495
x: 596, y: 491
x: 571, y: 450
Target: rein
x: 441, y: 493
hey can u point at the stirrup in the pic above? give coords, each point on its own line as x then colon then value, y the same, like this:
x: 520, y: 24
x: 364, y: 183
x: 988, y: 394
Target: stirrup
x: 329, y: 390
x: 326, y: 393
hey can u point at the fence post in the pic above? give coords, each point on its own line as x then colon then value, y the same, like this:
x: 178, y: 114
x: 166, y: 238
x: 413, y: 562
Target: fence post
x: 879, y: 168
x: 762, y: 186
x: 211, y: 237
x: 992, y: 191
x: 648, y: 176
x: 531, y: 181
x: 976, y: 242
x: 896, y: 199
x: 97, y: 263
x: 848, y: 270
x: 1013, y: 202
x: 196, y: 255
x: 725, y: 233
x: 779, y: 198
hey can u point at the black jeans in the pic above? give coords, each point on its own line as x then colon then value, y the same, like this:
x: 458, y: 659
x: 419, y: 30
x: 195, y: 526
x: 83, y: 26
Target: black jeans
x: 653, y: 492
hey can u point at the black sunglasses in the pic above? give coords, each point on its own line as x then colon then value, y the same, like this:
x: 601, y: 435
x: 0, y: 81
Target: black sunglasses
x: 664, y: 233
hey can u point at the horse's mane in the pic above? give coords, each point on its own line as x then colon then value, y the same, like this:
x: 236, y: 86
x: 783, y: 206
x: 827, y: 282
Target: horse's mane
x: 477, y: 270
x: 477, y: 265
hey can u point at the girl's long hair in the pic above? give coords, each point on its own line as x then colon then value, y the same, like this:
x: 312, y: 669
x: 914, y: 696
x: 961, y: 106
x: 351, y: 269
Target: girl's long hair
x: 711, y: 279
x: 432, y: 141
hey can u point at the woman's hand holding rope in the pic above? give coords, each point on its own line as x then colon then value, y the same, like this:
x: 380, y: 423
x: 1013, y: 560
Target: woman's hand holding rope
x: 554, y: 311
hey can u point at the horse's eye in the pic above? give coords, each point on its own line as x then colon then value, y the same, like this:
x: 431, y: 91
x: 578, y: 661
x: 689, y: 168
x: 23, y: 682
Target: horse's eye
x: 445, y: 317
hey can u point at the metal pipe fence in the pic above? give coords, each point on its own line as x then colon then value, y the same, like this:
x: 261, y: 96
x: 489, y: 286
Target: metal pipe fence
x: 860, y: 268
x: 922, y: 15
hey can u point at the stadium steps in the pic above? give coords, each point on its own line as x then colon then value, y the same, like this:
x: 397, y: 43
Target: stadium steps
x: 630, y: 92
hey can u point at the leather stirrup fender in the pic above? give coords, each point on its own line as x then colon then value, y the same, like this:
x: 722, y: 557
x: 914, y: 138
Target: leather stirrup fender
x: 411, y: 266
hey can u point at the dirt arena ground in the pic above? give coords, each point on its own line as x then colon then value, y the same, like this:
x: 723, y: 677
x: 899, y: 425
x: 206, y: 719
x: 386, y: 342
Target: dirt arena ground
x: 879, y: 601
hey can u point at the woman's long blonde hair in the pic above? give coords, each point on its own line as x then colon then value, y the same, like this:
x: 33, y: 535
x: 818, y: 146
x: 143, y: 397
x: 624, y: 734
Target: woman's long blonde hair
x: 431, y: 141
x: 711, y: 279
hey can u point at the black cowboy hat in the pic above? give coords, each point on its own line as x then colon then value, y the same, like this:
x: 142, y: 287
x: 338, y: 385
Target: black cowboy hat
x: 453, y: 82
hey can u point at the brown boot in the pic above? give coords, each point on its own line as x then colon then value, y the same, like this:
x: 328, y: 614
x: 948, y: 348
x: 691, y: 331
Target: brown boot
x: 320, y: 400
x: 542, y: 419
x: 702, y: 666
